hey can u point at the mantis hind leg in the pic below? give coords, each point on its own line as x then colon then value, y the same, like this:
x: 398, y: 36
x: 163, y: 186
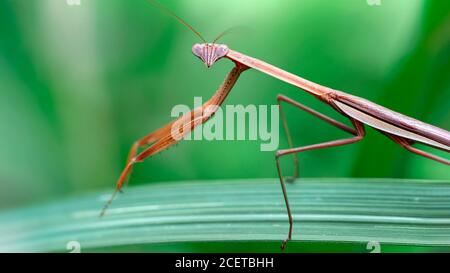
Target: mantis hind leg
x: 407, y: 144
x: 358, y: 132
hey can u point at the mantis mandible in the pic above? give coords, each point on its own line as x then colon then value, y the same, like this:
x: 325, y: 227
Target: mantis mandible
x: 401, y: 129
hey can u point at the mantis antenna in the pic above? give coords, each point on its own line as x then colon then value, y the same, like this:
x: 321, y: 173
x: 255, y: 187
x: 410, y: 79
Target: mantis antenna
x: 231, y: 29
x: 171, y: 13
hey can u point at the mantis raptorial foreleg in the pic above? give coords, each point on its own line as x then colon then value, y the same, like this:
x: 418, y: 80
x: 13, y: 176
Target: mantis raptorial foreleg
x: 358, y: 132
x: 147, y: 140
x: 144, y: 142
x: 163, y: 138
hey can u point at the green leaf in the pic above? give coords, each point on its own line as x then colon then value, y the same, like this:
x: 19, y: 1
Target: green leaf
x: 245, y: 212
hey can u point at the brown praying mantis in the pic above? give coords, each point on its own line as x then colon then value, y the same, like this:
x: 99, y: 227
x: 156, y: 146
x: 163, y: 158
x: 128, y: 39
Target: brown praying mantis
x: 401, y: 129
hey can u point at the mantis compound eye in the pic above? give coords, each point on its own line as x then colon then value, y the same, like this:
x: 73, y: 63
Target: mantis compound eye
x: 221, y: 51
x: 197, y: 49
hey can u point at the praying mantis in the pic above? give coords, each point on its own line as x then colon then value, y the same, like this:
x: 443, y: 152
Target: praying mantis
x: 399, y: 128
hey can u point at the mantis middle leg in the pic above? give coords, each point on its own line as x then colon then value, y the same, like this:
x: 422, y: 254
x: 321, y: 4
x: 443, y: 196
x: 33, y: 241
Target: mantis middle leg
x: 358, y: 132
x: 282, y: 98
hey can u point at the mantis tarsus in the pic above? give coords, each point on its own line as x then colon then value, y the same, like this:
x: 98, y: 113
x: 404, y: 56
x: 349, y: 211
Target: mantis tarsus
x: 401, y: 129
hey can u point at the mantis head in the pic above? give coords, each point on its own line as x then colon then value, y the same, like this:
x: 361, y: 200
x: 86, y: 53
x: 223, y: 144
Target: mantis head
x: 209, y: 53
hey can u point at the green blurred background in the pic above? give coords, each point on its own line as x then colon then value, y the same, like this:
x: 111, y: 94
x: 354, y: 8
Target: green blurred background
x: 79, y: 84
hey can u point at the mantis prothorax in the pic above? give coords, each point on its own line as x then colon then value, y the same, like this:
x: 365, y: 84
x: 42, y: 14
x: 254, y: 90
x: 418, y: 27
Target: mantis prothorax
x: 401, y: 129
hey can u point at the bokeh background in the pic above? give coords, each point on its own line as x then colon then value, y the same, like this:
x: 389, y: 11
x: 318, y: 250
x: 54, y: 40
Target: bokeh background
x: 80, y: 83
